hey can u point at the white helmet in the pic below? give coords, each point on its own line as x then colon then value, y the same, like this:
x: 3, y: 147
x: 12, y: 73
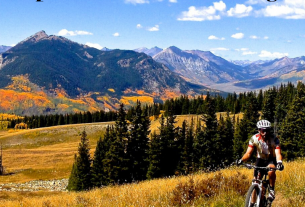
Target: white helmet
x: 263, y: 124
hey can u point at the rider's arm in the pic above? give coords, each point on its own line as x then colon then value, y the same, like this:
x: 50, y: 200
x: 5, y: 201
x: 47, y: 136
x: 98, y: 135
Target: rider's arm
x: 278, y: 153
x: 248, y: 153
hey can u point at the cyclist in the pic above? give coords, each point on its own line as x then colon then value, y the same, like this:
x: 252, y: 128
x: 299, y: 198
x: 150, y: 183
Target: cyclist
x: 268, y: 153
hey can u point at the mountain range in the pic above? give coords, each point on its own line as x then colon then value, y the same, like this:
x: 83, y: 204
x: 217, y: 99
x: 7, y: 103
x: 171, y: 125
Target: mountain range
x: 205, y: 68
x: 48, y: 73
x: 56, y: 66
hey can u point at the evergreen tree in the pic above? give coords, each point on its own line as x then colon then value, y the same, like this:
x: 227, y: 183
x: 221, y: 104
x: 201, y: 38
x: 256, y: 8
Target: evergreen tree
x: 154, y: 169
x: 80, y: 178
x: 116, y: 162
x: 268, y: 109
x: 138, y: 144
x: 98, y: 173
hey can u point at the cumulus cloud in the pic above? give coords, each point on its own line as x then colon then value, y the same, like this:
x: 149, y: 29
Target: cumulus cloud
x: 116, y: 34
x: 242, y: 49
x: 287, y: 9
x: 267, y: 54
x: 153, y: 29
x: 257, y: 2
x: 240, y: 10
x: 139, y: 26
x: 238, y: 36
x: 212, y: 37
x: 254, y: 37
x: 136, y: 1
x: 249, y: 53
x: 203, y: 13
x: 95, y: 45
x: 173, y: 1
x: 65, y: 32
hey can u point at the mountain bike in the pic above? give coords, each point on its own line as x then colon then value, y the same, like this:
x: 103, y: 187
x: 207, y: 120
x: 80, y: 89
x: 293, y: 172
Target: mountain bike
x: 258, y: 191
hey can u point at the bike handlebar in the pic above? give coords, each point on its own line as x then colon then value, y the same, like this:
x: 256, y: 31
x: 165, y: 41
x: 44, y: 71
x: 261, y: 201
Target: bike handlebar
x: 249, y: 166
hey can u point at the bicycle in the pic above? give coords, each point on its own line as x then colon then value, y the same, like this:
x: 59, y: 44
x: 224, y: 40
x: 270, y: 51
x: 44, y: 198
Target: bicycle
x: 258, y: 191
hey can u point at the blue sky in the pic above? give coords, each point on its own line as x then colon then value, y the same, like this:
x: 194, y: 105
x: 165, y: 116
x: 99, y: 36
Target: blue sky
x: 232, y: 29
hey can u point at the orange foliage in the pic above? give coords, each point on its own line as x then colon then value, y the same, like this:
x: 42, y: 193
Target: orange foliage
x: 11, y: 99
x: 133, y: 99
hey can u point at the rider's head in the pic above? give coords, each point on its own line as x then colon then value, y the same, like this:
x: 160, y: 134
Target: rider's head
x: 264, y: 127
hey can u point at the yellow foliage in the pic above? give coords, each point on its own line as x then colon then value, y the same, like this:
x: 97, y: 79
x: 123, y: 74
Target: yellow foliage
x: 111, y: 90
x: 126, y: 100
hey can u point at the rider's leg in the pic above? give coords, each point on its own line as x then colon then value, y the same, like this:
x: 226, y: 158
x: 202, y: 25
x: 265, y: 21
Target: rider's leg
x: 272, y: 178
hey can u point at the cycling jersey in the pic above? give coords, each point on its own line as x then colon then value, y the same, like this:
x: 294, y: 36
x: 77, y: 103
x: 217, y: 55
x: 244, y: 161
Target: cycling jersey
x: 265, y: 149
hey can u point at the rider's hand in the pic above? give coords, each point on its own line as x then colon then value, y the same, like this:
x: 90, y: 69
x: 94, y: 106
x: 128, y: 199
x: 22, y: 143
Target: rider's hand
x: 239, y: 161
x: 280, y: 166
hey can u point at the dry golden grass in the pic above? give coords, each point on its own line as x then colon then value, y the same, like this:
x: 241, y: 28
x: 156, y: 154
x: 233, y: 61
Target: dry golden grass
x: 160, y: 192
x: 45, y: 153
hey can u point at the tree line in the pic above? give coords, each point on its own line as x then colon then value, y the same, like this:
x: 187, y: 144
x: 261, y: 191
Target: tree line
x: 129, y: 152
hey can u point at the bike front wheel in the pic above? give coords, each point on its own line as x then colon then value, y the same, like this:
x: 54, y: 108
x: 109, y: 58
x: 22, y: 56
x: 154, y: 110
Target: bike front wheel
x: 252, y: 198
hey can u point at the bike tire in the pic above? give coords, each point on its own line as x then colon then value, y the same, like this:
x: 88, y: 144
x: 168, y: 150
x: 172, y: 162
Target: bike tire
x: 253, y: 189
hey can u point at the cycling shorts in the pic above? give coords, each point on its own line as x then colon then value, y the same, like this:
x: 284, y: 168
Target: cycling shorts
x: 264, y: 163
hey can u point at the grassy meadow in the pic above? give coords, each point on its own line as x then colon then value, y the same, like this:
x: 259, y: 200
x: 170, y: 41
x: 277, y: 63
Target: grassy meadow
x: 48, y: 153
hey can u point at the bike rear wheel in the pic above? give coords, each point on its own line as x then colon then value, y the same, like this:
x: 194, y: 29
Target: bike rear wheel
x: 252, y: 198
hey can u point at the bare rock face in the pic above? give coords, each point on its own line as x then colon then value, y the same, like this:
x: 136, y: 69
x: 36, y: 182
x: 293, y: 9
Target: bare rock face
x: 36, y: 37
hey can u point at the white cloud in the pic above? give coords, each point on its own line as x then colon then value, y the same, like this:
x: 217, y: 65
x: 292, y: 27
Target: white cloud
x: 136, y: 1
x: 268, y: 54
x: 288, y: 10
x: 240, y: 10
x: 254, y: 37
x: 153, y: 29
x: 238, y: 36
x: 249, y: 53
x: 116, y: 34
x: 212, y: 37
x: 95, y: 45
x: 242, y: 49
x: 257, y: 2
x: 266, y: 38
x: 65, y: 32
x: 173, y: 1
x: 139, y: 26
x: 220, y: 6
x: 203, y: 13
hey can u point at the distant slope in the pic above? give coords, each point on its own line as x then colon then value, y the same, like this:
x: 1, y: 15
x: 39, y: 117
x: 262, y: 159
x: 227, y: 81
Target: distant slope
x: 4, y: 48
x: 151, y: 52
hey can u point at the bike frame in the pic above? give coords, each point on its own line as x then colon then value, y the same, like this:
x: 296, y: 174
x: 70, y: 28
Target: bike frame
x: 259, y: 182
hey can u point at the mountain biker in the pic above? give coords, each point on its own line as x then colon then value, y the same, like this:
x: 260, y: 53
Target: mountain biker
x: 268, y: 153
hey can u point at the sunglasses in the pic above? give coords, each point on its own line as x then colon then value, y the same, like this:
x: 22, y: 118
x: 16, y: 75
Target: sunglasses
x: 264, y: 129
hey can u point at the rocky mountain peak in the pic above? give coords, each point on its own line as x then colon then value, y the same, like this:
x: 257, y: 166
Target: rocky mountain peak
x: 37, y: 36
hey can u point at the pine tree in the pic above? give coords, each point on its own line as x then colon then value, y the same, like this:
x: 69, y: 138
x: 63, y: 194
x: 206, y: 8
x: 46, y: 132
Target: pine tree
x: 80, y: 178
x: 268, y: 109
x: 116, y: 163
x: 98, y: 173
x: 154, y: 169
x: 138, y: 144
